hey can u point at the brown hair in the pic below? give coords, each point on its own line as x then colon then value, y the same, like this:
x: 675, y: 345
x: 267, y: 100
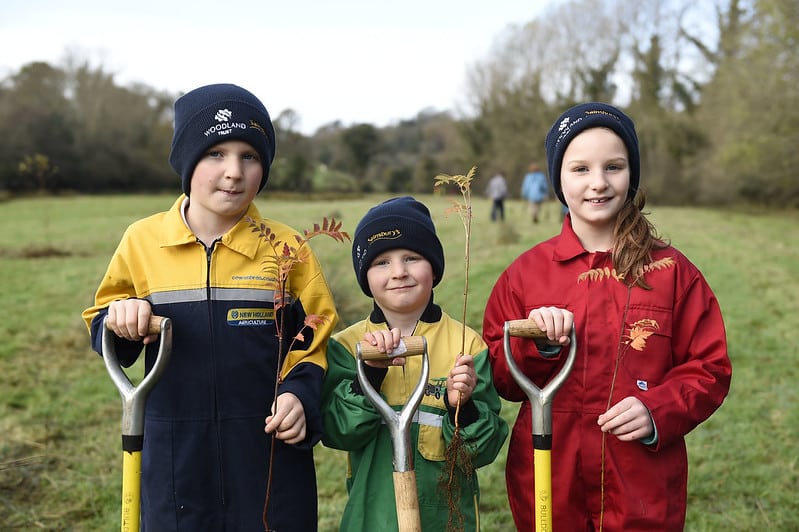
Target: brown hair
x: 634, y: 238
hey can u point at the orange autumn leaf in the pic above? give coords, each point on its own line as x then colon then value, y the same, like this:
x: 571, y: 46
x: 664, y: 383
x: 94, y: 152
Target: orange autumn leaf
x: 639, y: 332
x: 314, y: 320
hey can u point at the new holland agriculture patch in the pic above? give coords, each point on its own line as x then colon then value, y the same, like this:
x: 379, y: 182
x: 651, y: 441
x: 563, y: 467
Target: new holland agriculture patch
x: 250, y: 317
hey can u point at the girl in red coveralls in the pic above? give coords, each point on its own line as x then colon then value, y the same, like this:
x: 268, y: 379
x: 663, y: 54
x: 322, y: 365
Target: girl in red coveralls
x: 652, y: 357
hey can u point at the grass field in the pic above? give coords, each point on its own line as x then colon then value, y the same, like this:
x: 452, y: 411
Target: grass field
x: 60, y: 459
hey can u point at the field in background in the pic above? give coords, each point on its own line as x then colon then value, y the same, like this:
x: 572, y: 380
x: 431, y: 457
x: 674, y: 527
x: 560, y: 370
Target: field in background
x: 60, y: 463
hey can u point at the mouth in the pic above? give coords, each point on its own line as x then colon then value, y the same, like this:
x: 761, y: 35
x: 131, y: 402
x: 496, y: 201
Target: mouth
x: 598, y: 201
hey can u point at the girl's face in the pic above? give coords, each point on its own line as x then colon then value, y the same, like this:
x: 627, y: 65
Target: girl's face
x: 401, y: 281
x: 595, y: 178
x: 226, y: 180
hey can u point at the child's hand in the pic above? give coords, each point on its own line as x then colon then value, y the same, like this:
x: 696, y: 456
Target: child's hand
x: 628, y: 420
x: 556, y: 322
x: 130, y: 319
x: 461, y: 379
x: 287, y: 420
x: 385, y: 341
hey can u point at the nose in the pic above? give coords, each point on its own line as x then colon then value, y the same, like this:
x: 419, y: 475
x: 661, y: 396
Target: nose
x: 234, y: 168
x: 599, y: 180
x: 398, y: 268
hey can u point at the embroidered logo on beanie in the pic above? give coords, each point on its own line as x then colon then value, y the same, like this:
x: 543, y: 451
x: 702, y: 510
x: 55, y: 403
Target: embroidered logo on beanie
x: 385, y: 235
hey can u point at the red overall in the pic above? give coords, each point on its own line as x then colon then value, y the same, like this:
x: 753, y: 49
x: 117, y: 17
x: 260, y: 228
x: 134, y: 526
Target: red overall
x: 665, y: 346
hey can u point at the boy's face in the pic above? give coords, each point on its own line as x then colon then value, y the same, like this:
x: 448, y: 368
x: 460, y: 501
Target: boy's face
x: 226, y: 180
x: 401, y: 281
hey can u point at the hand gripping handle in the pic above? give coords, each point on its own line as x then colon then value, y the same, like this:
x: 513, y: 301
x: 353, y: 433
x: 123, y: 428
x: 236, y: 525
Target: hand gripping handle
x: 134, y: 397
x: 540, y: 399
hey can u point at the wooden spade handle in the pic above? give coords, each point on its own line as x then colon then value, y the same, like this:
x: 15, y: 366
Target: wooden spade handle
x: 407, y: 501
x: 154, y: 327
x: 155, y: 324
x: 409, y: 346
x: 525, y: 329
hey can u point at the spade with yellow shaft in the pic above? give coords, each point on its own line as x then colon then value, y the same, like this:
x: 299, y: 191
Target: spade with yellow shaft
x: 399, y: 426
x: 541, y: 403
x: 133, y: 400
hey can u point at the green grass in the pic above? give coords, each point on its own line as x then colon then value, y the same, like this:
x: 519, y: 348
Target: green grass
x: 60, y: 463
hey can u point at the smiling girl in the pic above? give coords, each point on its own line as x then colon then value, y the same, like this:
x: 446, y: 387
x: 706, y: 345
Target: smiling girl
x: 652, y: 358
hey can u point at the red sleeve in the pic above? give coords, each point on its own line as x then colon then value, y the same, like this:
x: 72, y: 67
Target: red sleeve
x: 700, y: 377
x: 507, y: 302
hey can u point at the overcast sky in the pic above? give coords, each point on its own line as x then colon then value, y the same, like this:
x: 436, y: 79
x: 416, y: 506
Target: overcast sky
x: 374, y: 61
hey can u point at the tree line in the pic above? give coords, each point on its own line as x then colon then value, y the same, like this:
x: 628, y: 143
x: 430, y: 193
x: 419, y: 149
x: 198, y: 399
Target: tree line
x: 712, y: 86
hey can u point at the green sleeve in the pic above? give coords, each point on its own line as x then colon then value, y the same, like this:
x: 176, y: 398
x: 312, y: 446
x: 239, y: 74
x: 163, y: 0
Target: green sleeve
x: 350, y: 420
x: 486, y: 435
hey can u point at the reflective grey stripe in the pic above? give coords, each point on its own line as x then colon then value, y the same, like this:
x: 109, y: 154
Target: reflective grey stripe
x: 177, y: 296
x: 427, y: 419
x: 243, y: 294
x: 217, y: 294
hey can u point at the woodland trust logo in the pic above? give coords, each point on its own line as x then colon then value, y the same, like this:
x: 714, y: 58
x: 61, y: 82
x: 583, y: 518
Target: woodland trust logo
x: 223, y: 115
x: 225, y: 126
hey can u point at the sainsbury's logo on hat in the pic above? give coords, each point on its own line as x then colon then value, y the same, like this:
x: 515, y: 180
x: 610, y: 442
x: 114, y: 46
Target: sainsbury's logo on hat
x: 392, y: 234
x: 256, y: 125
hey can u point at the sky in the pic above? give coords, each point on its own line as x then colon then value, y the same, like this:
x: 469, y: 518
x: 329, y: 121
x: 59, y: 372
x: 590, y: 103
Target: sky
x: 353, y: 61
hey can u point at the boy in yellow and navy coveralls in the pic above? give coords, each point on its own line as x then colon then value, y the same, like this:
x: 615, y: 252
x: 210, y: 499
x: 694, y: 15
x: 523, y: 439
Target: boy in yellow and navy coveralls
x: 209, y: 420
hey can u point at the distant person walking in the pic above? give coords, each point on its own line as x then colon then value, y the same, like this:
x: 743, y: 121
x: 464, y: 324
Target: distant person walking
x: 535, y: 189
x: 497, y: 190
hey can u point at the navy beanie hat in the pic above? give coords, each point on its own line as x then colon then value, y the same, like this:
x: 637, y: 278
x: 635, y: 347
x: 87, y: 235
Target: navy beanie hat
x: 217, y: 113
x: 585, y: 116
x: 396, y: 223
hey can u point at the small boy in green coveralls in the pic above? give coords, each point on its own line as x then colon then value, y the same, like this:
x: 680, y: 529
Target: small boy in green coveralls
x: 398, y: 260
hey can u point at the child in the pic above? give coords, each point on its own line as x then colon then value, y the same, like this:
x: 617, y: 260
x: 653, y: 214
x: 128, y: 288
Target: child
x: 206, y: 454
x: 398, y: 259
x: 652, y: 357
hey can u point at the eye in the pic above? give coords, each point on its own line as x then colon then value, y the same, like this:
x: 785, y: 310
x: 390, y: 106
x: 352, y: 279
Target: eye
x: 214, y: 154
x: 250, y: 157
x: 413, y: 258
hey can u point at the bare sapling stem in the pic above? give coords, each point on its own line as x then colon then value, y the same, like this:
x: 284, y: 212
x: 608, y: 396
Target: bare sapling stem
x: 457, y: 454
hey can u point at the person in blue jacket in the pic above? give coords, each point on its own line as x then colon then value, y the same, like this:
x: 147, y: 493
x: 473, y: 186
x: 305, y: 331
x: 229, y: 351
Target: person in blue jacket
x: 535, y: 189
x: 212, y: 417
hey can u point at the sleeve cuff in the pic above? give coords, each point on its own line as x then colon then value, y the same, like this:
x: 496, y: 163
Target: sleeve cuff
x: 549, y: 351
x: 375, y: 376
x: 653, y: 438
x: 468, y: 413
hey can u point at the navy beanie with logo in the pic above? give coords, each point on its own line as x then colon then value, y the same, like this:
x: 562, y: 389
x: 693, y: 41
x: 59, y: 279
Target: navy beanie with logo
x: 396, y: 223
x: 217, y: 113
x: 585, y: 116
